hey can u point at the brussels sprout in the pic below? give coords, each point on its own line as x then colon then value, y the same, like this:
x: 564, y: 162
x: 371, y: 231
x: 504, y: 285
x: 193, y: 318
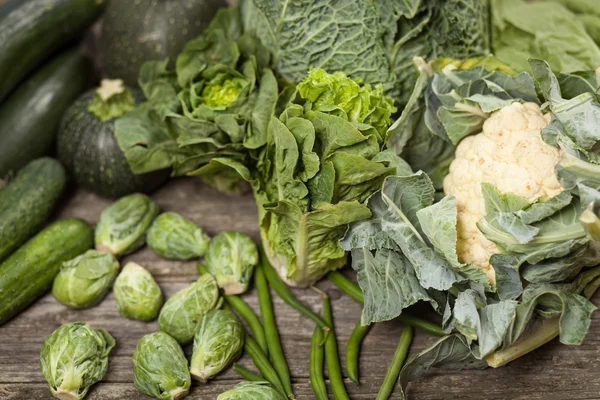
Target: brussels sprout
x: 122, y: 226
x: 251, y: 391
x: 137, y: 294
x: 176, y: 237
x: 231, y: 258
x: 73, y: 358
x: 217, y: 343
x: 84, y: 281
x: 181, y: 314
x: 160, y: 368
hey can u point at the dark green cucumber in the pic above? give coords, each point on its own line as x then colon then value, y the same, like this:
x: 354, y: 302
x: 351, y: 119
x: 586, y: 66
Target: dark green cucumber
x: 30, y: 117
x: 89, y: 150
x: 134, y: 32
x: 33, y: 30
x: 28, y: 273
x: 27, y: 201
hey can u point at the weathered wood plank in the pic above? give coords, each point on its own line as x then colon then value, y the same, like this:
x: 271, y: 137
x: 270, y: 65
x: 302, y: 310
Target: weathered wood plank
x: 554, y: 372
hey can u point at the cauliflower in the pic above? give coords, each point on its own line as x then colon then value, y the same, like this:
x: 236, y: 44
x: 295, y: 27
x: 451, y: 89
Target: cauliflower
x: 510, y: 154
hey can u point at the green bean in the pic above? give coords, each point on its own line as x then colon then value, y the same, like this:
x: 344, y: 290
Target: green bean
x: 346, y: 285
x: 352, y: 290
x: 273, y: 342
x: 286, y: 294
x: 246, y: 373
x: 421, y: 324
x: 316, y: 365
x: 331, y: 356
x: 251, y: 319
x: 353, y: 350
x: 262, y: 363
x: 394, y: 370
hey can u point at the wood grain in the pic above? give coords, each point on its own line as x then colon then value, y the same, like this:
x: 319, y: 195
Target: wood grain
x: 555, y: 372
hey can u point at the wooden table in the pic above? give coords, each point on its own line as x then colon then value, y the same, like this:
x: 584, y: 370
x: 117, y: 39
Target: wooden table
x: 554, y: 372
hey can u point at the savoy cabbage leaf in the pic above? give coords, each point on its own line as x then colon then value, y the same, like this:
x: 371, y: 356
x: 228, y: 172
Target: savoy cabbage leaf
x: 374, y: 41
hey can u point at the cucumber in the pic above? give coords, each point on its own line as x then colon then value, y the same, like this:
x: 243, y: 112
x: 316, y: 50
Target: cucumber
x: 33, y: 30
x: 30, y: 117
x: 27, y: 201
x: 28, y: 273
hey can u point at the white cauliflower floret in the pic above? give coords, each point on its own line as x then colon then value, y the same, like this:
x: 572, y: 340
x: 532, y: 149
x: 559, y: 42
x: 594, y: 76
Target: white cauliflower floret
x: 510, y: 154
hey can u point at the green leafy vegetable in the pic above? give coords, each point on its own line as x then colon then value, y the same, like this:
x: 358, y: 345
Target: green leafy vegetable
x: 84, y: 281
x: 160, y: 368
x: 544, y: 274
x: 175, y: 237
x: 374, y: 41
x: 122, y: 226
x: 73, y: 358
x: 251, y: 391
x: 216, y: 103
x: 555, y: 34
x: 137, y: 294
x: 451, y: 352
x: 181, y: 314
x: 231, y: 258
x: 217, y: 344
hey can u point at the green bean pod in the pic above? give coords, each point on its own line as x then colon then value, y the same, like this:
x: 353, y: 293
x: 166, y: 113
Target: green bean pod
x: 270, y: 327
x: 246, y: 373
x: 251, y: 319
x: 315, y: 371
x: 331, y: 356
x: 354, y: 291
x: 421, y: 324
x: 262, y: 363
x: 394, y: 370
x: 346, y: 285
x: 286, y: 294
x: 353, y: 350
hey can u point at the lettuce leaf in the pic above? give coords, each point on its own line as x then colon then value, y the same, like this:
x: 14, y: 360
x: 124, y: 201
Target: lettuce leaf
x: 555, y: 34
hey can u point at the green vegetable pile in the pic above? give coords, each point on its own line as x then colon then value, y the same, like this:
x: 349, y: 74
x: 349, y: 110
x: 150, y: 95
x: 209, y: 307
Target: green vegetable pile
x: 449, y: 151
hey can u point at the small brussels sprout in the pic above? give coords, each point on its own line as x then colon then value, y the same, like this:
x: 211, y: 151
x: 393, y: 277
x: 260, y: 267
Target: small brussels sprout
x: 251, y: 391
x: 176, y: 237
x: 231, y: 258
x: 137, y: 294
x: 181, y: 314
x: 84, y: 281
x: 160, y: 368
x: 217, y: 343
x: 122, y: 226
x: 73, y: 358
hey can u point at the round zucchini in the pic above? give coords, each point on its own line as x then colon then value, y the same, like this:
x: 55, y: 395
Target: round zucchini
x: 145, y: 30
x: 30, y: 117
x: 87, y: 146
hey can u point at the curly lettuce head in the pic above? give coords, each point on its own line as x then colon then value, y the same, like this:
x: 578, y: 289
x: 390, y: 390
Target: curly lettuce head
x: 317, y: 169
x: 357, y: 101
x: 222, y: 90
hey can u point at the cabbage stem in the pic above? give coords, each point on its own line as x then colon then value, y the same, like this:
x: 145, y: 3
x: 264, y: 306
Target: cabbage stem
x: 543, y: 332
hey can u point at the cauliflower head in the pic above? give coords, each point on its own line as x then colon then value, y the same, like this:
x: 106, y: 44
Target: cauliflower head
x: 510, y: 154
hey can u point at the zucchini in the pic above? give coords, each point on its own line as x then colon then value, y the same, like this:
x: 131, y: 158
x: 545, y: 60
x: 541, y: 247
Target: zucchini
x: 28, y: 273
x: 134, y: 32
x: 89, y: 150
x: 33, y: 30
x: 30, y: 117
x: 27, y: 201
